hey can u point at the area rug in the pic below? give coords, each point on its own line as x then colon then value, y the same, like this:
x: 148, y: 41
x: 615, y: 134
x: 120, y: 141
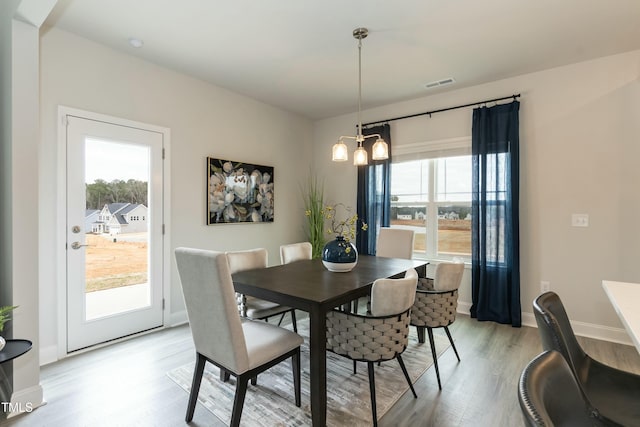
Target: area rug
x: 271, y: 402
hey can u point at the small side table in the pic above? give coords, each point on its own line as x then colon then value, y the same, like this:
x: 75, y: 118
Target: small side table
x: 13, y: 349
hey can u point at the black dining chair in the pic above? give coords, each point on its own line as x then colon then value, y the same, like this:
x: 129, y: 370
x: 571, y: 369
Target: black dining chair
x: 613, y: 392
x: 549, y: 395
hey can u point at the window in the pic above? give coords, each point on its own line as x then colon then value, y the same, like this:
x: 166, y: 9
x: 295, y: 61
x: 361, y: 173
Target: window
x: 433, y: 197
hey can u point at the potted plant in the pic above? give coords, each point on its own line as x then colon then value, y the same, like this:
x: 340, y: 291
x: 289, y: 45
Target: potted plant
x: 5, y: 316
x: 314, y: 211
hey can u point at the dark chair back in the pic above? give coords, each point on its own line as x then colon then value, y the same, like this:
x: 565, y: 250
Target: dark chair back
x: 550, y: 395
x: 556, y: 332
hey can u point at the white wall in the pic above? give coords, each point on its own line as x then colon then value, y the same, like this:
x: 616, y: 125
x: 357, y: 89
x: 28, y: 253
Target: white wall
x: 204, y: 120
x: 580, y: 148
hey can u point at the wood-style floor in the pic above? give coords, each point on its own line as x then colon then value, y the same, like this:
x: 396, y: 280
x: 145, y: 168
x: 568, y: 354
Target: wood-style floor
x: 125, y: 384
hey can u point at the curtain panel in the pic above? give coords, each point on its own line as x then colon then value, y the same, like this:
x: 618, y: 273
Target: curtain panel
x: 374, y: 192
x: 495, y: 224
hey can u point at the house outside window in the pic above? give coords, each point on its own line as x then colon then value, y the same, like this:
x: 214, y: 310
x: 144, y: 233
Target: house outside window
x: 431, y: 194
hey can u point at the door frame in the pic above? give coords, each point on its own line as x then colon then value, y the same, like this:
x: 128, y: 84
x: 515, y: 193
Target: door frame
x: 61, y: 208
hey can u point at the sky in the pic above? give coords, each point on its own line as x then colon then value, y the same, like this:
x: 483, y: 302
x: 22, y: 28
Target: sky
x: 112, y: 160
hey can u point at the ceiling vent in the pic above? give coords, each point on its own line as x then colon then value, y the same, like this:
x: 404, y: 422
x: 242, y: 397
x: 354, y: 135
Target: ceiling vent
x: 438, y: 83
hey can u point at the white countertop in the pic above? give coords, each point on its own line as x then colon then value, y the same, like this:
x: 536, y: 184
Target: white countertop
x: 625, y: 298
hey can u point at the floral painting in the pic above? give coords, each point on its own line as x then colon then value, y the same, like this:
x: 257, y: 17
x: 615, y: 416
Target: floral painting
x: 238, y: 192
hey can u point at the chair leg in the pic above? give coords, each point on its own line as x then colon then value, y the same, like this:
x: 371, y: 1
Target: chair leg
x: 224, y: 375
x: 281, y: 319
x: 354, y: 367
x: 372, y: 390
x: 420, y: 330
x: 446, y: 329
x: 195, y: 386
x: 295, y: 367
x: 406, y: 375
x: 435, y: 357
x: 238, y: 400
x: 254, y: 380
x: 293, y: 321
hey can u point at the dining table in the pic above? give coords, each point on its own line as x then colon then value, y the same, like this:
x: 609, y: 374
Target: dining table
x: 624, y: 297
x: 308, y: 286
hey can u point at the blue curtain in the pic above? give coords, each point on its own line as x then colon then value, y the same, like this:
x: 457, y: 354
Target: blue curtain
x: 495, y: 282
x: 374, y: 193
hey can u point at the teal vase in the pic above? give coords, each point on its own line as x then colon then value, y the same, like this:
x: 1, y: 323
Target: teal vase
x: 339, y: 255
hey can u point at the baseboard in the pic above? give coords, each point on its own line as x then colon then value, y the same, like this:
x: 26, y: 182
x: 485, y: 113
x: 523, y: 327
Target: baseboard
x: 178, y: 318
x: 588, y: 330
x: 48, y: 355
x: 24, y: 401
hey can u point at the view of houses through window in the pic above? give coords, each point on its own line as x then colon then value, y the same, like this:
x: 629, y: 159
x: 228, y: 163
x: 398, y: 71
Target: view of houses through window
x: 116, y: 215
x: 433, y: 197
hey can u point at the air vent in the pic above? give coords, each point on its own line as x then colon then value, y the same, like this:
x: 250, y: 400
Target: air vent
x: 438, y: 83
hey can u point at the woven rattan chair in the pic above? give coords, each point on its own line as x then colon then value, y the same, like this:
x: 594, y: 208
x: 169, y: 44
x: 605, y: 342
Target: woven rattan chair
x: 435, y: 305
x: 379, y: 336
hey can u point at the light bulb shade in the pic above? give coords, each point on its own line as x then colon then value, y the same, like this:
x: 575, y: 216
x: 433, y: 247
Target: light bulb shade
x: 340, y: 152
x: 360, y: 156
x: 380, y: 150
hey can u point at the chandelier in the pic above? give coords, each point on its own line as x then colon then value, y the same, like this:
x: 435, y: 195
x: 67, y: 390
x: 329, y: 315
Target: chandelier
x: 380, y: 150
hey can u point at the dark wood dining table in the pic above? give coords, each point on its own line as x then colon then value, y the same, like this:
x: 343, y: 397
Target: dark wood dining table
x: 307, y: 285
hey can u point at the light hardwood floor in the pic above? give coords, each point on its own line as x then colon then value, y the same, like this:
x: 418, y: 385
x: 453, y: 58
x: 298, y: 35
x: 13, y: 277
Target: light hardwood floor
x: 125, y: 384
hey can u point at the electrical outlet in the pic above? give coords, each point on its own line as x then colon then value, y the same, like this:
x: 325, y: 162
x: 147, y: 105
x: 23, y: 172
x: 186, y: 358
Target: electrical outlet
x: 580, y: 220
x: 545, y: 286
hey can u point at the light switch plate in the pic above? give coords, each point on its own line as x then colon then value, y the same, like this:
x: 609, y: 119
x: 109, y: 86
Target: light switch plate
x: 580, y: 220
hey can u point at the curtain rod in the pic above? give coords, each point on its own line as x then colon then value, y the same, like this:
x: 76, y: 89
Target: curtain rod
x: 442, y: 109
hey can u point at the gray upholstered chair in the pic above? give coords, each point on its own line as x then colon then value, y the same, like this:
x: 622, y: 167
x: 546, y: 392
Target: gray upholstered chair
x: 613, y: 392
x: 295, y: 252
x: 241, y: 348
x: 383, y: 334
x: 252, y: 307
x: 549, y: 395
x: 395, y: 243
x: 436, y: 304
x: 391, y: 243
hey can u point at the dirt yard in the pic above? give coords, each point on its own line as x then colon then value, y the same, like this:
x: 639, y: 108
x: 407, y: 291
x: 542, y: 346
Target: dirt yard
x: 454, y: 236
x: 112, y: 264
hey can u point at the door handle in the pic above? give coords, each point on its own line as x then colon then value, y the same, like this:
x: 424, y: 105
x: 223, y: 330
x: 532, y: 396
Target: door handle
x: 77, y: 245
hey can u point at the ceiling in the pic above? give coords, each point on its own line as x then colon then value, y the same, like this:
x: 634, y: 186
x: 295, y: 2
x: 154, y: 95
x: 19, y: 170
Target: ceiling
x: 300, y: 55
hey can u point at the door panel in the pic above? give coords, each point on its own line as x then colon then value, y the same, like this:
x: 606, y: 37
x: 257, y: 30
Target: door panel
x: 114, y: 231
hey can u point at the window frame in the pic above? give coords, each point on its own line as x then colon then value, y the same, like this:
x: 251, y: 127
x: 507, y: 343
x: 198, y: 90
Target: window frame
x: 432, y: 151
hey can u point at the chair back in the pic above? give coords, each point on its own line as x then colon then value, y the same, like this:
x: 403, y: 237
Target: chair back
x: 556, y: 332
x: 393, y: 296
x: 211, y: 307
x: 448, y: 276
x: 295, y: 252
x: 395, y: 243
x: 549, y: 394
x: 247, y: 260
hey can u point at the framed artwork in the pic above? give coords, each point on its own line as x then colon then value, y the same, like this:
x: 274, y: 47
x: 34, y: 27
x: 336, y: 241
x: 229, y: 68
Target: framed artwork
x: 238, y: 192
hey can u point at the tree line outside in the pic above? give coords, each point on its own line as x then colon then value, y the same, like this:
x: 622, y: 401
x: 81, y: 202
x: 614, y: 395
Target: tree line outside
x: 102, y: 192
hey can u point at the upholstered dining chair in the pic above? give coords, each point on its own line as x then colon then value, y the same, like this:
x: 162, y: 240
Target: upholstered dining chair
x: 295, y: 252
x: 395, y: 243
x: 221, y: 337
x: 391, y: 243
x: 436, y: 304
x: 549, y: 395
x: 252, y: 307
x: 382, y: 334
x: 613, y: 392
